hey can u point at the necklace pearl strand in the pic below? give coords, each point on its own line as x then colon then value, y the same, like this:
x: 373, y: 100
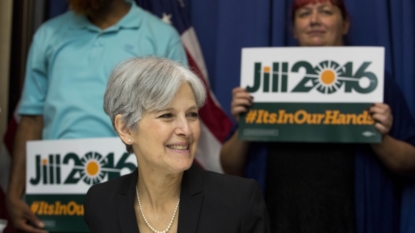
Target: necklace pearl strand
x: 144, y: 217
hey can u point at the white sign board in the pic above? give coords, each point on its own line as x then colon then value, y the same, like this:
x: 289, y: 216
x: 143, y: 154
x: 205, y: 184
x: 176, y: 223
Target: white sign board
x: 312, y: 94
x: 314, y: 74
x: 60, y: 172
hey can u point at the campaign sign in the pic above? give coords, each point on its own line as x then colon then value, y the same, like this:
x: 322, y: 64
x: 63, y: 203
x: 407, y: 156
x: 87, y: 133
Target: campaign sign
x: 312, y: 94
x: 60, y: 172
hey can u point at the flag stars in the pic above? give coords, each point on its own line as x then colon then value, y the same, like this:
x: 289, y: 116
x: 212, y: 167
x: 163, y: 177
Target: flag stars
x: 167, y: 18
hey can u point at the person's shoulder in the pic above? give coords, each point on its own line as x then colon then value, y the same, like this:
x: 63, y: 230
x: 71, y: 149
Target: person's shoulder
x: 155, y: 24
x: 54, y: 26
x: 236, y: 180
x: 58, y: 22
x: 236, y: 193
x: 233, y: 203
x: 227, y: 183
x: 109, y: 189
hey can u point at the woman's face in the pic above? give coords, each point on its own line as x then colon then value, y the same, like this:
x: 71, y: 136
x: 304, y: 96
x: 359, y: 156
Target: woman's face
x: 320, y: 24
x: 166, y: 140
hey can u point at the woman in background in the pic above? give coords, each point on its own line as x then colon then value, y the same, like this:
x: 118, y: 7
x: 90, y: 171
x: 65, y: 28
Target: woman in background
x: 153, y: 104
x: 321, y: 187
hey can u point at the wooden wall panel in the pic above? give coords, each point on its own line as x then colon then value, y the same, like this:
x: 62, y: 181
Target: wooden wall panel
x: 5, y: 42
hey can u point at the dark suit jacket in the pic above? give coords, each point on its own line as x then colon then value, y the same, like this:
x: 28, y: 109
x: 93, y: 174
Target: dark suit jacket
x: 209, y: 202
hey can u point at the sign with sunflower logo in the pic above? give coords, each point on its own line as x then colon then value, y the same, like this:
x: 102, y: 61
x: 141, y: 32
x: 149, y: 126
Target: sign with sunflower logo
x: 60, y: 172
x: 312, y: 94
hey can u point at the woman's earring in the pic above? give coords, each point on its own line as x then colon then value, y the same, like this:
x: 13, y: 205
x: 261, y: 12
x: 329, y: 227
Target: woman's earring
x: 129, y: 140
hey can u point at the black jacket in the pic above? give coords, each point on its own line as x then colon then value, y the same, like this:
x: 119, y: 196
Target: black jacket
x: 209, y: 202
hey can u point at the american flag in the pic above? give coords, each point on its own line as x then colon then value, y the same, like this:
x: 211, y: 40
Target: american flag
x: 215, y: 125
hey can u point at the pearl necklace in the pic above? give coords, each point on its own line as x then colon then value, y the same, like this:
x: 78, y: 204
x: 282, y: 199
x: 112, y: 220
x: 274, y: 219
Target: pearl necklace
x: 145, y: 220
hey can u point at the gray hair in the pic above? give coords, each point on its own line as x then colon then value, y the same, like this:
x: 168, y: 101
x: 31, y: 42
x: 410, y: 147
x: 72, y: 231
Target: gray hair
x: 145, y: 84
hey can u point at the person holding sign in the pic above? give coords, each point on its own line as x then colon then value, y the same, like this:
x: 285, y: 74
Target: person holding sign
x: 153, y: 104
x: 67, y: 70
x: 68, y: 65
x: 330, y: 187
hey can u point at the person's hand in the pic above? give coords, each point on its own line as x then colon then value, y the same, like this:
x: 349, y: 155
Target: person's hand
x: 382, y: 115
x: 22, y: 217
x: 241, y: 100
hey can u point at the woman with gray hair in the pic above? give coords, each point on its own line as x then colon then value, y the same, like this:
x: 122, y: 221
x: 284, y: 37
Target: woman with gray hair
x: 153, y: 104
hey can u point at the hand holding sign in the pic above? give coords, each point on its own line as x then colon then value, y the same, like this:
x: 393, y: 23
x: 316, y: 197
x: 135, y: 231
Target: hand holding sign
x: 23, y: 217
x: 382, y: 115
x: 241, y: 101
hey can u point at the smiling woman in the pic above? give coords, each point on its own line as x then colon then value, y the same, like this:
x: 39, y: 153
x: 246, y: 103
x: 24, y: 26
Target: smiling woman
x: 140, y: 86
x: 153, y: 104
x: 166, y: 139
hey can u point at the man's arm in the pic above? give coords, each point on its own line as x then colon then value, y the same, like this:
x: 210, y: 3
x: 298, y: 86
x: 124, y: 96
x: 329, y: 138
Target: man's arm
x: 30, y: 128
x: 233, y: 155
x: 234, y: 151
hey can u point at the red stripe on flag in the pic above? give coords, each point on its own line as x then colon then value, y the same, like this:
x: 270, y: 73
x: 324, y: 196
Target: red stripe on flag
x: 212, y: 115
